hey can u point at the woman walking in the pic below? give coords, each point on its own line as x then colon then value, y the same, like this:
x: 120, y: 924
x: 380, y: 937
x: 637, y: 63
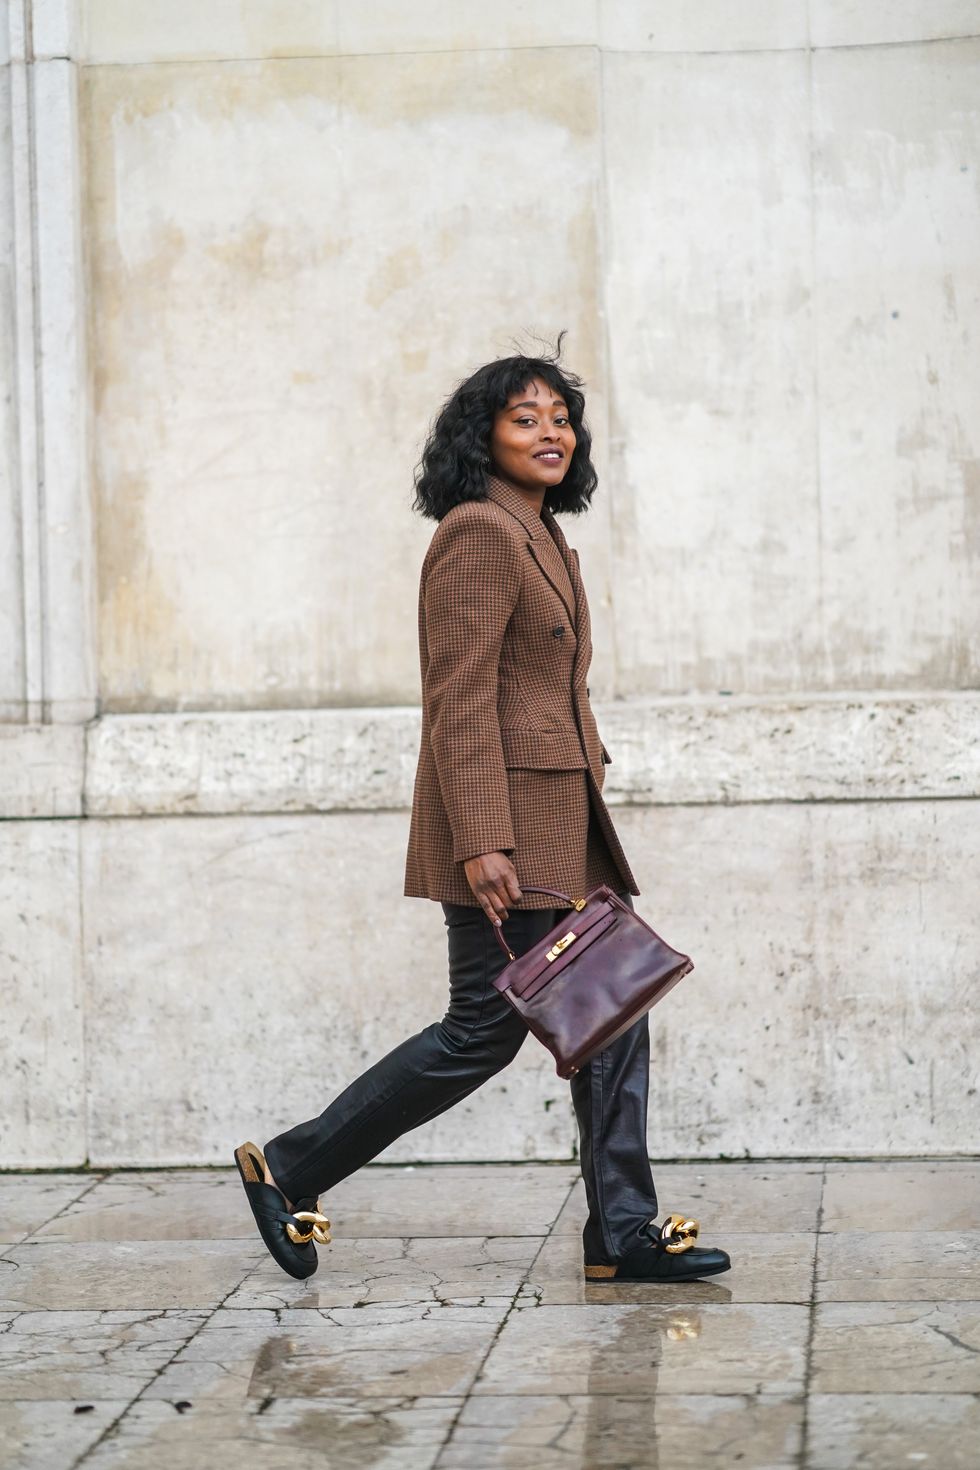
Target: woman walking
x: 509, y: 783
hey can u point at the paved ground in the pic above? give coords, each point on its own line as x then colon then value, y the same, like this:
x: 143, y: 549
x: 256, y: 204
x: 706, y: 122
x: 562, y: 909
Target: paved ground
x: 141, y: 1325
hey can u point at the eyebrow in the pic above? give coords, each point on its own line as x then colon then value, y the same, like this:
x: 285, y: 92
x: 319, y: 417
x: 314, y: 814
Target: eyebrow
x: 533, y: 403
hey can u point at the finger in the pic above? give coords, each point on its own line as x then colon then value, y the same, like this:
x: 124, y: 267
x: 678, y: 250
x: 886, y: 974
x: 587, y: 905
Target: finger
x: 513, y: 887
x: 496, y: 900
x: 488, y: 903
x: 501, y: 897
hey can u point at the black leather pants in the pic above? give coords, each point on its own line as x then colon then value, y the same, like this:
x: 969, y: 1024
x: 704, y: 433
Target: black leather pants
x: 476, y: 1038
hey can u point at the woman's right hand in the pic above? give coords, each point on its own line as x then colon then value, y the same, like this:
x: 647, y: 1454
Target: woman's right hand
x: 493, y: 879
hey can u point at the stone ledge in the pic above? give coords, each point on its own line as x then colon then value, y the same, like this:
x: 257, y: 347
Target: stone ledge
x: 675, y: 752
x: 840, y: 747
x: 285, y: 761
x: 664, y: 753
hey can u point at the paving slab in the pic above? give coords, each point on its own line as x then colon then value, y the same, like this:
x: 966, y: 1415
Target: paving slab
x: 134, y: 1274
x: 446, y: 1200
x: 89, y: 1356
x: 36, y: 1434
x: 193, y: 1204
x: 902, y: 1196
x: 358, y: 1352
x: 885, y: 1430
x: 899, y: 1266
x: 397, y: 1433
x: 610, y: 1431
x: 29, y: 1201
x: 884, y: 1347
x: 610, y: 1349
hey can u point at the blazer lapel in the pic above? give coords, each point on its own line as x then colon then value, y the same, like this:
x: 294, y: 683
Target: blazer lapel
x: 580, y: 618
x: 551, y: 554
x: 552, y: 563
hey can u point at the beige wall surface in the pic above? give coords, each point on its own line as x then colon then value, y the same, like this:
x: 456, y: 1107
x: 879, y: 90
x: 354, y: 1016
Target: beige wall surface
x: 765, y: 257
x: 246, y: 250
x: 291, y: 264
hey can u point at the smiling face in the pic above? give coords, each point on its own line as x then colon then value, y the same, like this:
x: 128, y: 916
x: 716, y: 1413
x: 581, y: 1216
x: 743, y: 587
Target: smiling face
x: 532, y: 440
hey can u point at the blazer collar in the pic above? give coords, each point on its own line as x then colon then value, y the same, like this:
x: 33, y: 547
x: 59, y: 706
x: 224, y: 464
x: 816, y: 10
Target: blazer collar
x: 504, y: 494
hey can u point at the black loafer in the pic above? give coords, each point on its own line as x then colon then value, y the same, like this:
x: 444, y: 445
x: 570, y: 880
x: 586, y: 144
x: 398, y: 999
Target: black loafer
x: 670, y: 1256
x: 288, y: 1234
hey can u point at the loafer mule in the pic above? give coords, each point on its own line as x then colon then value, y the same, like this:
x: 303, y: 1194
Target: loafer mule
x: 670, y: 1256
x: 288, y: 1234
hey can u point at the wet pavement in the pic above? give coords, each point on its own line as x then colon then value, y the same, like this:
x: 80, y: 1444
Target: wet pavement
x: 142, y: 1324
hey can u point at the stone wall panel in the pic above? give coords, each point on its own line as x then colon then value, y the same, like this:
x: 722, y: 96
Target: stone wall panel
x: 270, y: 340
x: 244, y: 969
x: 42, y: 997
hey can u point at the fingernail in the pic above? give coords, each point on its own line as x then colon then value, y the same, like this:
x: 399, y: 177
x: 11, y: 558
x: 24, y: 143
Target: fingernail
x: 498, y: 922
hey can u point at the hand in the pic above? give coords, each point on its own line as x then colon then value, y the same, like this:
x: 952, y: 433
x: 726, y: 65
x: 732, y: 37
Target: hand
x: 493, y: 879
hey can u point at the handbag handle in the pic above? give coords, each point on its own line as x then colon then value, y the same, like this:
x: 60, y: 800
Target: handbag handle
x: 533, y: 888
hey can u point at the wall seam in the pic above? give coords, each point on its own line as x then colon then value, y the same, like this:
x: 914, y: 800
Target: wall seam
x: 605, y: 355
x: 29, y: 496
x: 203, y: 60
x: 815, y: 358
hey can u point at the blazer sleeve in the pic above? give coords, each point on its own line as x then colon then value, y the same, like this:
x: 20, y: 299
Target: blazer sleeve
x: 470, y: 589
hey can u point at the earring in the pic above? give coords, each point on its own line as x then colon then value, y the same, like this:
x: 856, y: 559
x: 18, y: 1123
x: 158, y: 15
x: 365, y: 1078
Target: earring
x: 485, y: 461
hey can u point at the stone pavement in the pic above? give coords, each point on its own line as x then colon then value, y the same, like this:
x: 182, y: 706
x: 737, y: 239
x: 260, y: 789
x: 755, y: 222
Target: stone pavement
x: 448, y: 1325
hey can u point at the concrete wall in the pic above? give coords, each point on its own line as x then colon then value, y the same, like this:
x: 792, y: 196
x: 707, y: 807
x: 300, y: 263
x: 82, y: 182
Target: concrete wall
x: 245, y: 250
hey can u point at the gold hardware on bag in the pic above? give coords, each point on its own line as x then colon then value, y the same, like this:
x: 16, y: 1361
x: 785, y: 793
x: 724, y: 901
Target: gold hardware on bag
x: 559, y: 945
x: 580, y: 903
x: 679, y: 1234
x: 319, y: 1228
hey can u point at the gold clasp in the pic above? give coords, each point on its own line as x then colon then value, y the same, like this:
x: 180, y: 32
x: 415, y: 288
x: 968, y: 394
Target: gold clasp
x: 319, y: 1228
x: 559, y: 945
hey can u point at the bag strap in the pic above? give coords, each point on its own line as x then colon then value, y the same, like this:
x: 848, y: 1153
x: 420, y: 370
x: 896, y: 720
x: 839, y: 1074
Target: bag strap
x: 532, y: 888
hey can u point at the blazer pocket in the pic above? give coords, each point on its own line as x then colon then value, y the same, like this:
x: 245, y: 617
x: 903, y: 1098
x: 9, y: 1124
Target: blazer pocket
x: 606, y: 757
x: 543, y: 750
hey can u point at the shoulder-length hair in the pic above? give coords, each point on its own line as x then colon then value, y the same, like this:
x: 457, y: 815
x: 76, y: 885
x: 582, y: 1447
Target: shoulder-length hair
x: 456, y: 459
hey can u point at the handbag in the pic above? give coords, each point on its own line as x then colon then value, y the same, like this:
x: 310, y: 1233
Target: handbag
x: 590, y: 978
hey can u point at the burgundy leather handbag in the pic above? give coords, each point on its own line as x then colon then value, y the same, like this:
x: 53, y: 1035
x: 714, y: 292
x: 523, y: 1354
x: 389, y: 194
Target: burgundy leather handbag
x: 586, y: 982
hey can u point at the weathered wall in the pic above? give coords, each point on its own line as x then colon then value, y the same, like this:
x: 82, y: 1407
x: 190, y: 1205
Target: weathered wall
x: 245, y: 250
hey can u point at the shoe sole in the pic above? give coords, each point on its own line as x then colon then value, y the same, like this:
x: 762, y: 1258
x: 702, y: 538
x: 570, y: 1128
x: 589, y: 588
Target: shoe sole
x: 607, y: 1279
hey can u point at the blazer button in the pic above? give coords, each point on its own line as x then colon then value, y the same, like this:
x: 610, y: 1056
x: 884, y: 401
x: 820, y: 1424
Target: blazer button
x: 559, y: 632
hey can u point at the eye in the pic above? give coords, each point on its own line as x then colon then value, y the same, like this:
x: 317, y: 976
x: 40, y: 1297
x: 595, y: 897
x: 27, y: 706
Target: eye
x: 561, y: 419
x: 525, y: 420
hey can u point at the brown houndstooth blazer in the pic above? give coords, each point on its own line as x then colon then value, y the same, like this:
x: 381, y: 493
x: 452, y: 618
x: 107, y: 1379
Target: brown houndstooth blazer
x: 510, y: 755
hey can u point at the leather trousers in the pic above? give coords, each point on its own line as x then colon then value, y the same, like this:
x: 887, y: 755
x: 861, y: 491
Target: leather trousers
x: 476, y: 1038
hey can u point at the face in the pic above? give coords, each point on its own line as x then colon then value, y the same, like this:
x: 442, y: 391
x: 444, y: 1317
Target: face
x: 532, y: 440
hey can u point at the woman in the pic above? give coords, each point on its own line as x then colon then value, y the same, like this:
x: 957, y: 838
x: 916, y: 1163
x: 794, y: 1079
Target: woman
x: 509, y: 782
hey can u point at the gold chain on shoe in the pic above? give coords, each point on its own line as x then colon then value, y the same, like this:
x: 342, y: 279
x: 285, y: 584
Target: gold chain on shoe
x: 319, y: 1227
x: 679, y: 1234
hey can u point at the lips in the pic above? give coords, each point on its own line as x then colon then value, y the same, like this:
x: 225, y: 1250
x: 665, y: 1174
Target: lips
x: 550, y: 456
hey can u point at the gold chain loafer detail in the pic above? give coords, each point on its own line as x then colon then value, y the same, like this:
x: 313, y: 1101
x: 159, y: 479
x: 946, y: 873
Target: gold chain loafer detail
x: 679, y: 1234
x: 319, y: 1227
x: 671, y: 1255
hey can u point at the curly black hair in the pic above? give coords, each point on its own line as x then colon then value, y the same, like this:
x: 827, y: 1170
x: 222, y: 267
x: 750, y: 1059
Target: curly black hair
x: 456, y: 458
